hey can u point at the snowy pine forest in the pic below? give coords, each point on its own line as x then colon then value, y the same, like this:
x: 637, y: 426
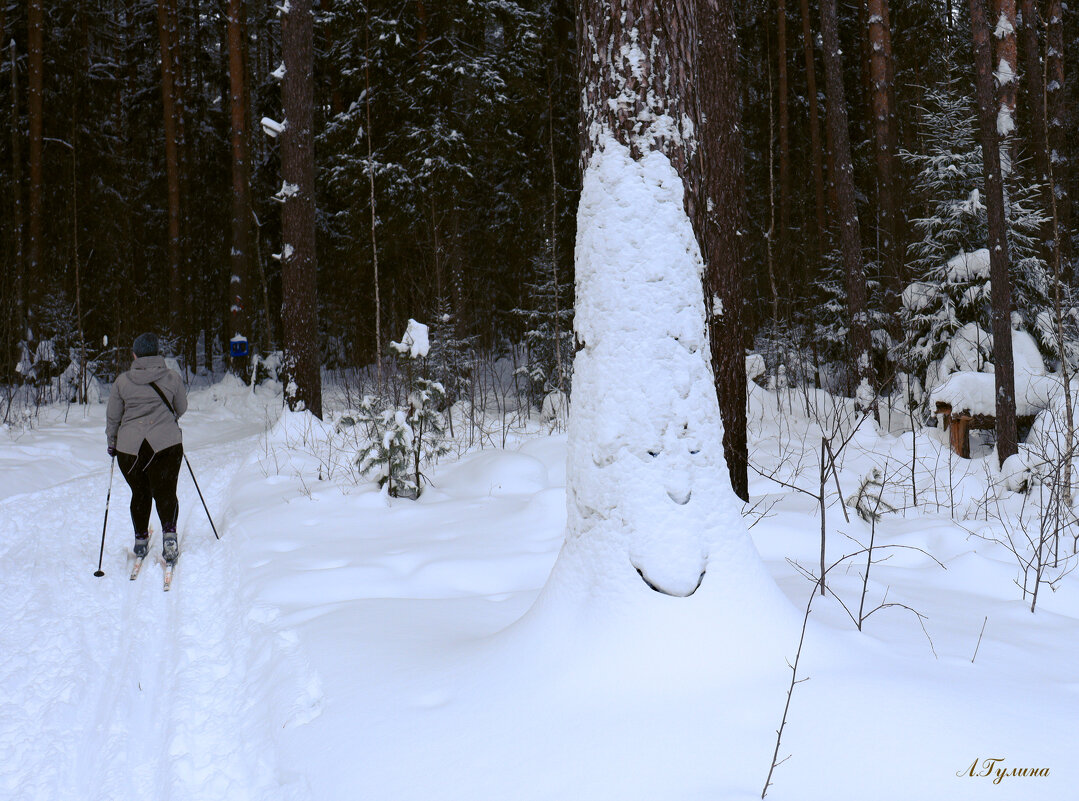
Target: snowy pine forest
x: 601, y: 400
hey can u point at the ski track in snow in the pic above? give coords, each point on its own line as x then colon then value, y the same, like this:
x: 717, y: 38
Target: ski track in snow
x: 112, y: 689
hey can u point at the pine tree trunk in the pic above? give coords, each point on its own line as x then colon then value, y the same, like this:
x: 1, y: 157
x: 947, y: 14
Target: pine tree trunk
x: 719, y: 227
x: 1006, y: 61
x: 166, y: 28
x: 35, y: 113
x: 241, y: 197
x: 850, y: 239
x: 783, y: 91
x: 17, y: 211
x: 1056, y: 108
x: 998, y: 242
x: 814, y: 131
x: 299, y: 313
x: 666, y: 87
x: 881, y: 71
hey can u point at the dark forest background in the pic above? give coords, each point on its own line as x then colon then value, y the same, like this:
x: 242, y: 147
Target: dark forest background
x: 470, y: 110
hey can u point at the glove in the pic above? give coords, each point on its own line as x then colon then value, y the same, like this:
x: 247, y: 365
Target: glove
x: 112, y: 450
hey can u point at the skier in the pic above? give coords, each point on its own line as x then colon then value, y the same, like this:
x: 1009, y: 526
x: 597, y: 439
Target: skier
x: 144, y: 436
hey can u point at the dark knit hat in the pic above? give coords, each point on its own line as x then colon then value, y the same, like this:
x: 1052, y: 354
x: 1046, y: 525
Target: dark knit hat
x: 145, y: 345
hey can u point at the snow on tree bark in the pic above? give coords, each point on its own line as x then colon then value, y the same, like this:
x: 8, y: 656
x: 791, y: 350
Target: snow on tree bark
x: 719, y: 226
x: 850, y: 237
x: 646, y: 487
x: 1006, y: 60
x: 998, y: 243
x: 299, y: 312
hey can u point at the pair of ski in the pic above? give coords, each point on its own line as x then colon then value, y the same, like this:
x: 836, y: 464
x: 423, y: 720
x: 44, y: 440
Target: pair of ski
x: 169, y: 567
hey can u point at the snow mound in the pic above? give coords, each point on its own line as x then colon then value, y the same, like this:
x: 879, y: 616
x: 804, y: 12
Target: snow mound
x: 966, y: 390
x: 494, y: 473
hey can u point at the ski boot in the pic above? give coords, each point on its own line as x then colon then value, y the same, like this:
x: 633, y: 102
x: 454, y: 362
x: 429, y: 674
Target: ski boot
x: 170, y: 547
x: 142, y: 544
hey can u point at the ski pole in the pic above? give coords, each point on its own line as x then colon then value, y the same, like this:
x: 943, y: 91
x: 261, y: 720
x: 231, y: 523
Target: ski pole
x: 99, y: 572
x: 204, y: 506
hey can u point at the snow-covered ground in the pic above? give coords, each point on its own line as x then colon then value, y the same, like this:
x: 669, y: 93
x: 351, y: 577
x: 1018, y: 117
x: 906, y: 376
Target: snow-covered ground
x: 336, y: 644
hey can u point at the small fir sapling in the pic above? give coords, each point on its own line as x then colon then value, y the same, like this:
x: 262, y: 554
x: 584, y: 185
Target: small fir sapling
x: 403, y: 440
x: 449, y: 358
x: 548, y: 321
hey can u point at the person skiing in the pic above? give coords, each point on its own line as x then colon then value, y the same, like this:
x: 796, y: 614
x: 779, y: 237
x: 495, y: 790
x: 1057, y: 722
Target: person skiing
x: 144, y: 436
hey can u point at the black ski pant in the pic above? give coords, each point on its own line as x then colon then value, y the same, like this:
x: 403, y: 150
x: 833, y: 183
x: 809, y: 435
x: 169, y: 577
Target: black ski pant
x: 152, y: 478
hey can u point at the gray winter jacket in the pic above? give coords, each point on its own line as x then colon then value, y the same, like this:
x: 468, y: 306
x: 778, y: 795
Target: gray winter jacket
x: 136, y: 413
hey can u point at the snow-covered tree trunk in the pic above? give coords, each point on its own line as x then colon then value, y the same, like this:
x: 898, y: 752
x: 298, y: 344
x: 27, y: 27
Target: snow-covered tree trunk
x: 299, y: 312
x: 998, y: 243
x: 647, y: 490
x: 168, y: 39
x: 719, y: 226
x: 241, y: 196
x: 1006, y: 58
x: 881, y: 72
x: 850, y: 237
x: 35, y: 115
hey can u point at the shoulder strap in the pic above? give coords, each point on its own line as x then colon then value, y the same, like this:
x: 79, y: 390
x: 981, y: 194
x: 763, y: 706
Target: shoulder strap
x: 161, y: 395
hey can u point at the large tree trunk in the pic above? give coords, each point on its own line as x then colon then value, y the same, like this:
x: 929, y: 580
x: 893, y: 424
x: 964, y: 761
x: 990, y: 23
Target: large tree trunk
x: 645, y: 480
x: 35, y: 114
x: 241, y: 196
x: 850, y: 238
x: 721, y: 221
x: 299, y: 313
x: 167, y: 36
x: 998, y: 242
x: 814, y: 130
x: 654, y: 107
x: 881, y: 72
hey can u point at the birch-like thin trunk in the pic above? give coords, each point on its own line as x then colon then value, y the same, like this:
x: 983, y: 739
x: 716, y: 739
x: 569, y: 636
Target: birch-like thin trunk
x: 35, y: 115
x: 374, y: 216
